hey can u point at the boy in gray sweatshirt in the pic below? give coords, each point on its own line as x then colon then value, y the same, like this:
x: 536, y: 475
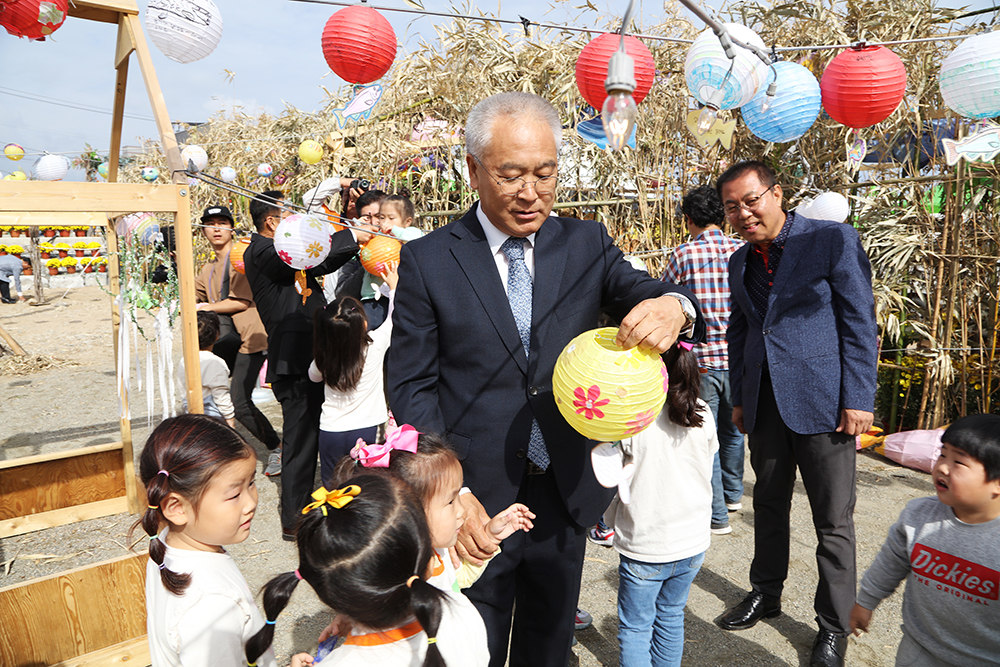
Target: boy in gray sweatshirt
x: 948, y: 549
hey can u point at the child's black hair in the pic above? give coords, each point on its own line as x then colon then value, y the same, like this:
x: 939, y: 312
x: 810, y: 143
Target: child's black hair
x: 208, y: 329
x: 365, y: 560
x: 685, y: 385
x: 403, y: 205
x: 979, y: 437
x: 340, y: 338
x: 181, y: 456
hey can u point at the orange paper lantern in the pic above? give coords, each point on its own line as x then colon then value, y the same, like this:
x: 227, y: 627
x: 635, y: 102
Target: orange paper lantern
x: 863, y: 86
x: 359, y: 44
x: 236, y: 255
x: 378, y: 252
x: 592, y: 67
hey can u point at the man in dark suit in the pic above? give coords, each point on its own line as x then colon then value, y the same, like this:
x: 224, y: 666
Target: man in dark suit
x: 802, y: 364
x: 286, y: 304
x: 483, y: 309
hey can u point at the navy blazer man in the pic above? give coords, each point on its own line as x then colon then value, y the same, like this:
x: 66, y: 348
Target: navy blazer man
x: 457, y: 366
x: 802, y: 364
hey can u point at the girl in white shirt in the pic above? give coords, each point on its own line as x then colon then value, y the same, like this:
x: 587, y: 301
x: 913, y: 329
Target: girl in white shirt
x: 199, y: 478
x: 348, y: 359
x: 366, y: 551
x: 662, y: 534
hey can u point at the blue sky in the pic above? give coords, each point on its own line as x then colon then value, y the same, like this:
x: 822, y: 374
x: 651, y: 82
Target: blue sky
x: 272, y: 47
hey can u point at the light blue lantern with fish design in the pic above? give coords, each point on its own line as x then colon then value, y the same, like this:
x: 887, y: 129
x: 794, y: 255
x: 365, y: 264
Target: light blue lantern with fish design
x: 793, y: 110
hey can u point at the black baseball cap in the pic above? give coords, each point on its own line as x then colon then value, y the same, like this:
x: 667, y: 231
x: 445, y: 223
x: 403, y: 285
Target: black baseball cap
x: 218, y: 212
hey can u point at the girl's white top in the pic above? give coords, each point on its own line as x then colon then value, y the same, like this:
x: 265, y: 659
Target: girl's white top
x: 670, y: 516
x: 209, y: 624
x: 363, y: 406
x: 461, y: 639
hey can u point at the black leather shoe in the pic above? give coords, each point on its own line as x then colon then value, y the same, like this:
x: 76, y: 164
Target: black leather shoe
x: 829, y: 650
x: 754, y: 607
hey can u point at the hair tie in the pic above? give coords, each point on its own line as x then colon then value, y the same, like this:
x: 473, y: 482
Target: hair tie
x: 687, y: 346
x: 163, y: 472
x: 336, y: 499
x: 251, y: 664
x: 162, y: 565
x: 298, y: 575
x: 153, y: 507
x: 432, y: 640
x: 409, y: 582
x: 153, y: 537
x: 268, y: 622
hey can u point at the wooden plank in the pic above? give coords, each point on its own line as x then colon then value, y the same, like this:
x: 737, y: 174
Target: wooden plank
x: 189, y: 320
x: 133, y: 653
x: 168, y: 141
x: 33, y: 522
x: 61, y: 484
x: 17, y: 349
x: 126, y: 43
x: 56, y: 456
x: 108, y: 11
x: 49, y: 219
x: 44, y: 196
x: 122, y: 52
x: 55, y: 619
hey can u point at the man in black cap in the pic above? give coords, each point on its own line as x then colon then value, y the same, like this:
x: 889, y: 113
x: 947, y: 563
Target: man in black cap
x: 242, y: 339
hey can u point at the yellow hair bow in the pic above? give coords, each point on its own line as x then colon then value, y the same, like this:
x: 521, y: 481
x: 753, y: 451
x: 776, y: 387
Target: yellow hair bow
x: 337, y: 499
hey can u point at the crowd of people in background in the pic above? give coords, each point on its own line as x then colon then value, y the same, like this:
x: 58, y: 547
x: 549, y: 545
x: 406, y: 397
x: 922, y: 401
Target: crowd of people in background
x: 456, y: 502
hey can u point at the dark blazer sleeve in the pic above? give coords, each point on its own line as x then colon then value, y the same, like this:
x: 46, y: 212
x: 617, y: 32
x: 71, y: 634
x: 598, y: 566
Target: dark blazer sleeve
x: 854, y: 302
x: 736, y: 334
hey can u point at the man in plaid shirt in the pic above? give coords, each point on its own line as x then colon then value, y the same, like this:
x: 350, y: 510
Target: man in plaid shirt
x: 702, y: 265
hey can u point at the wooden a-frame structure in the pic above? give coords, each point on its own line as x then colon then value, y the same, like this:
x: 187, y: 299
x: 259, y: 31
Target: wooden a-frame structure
x: 90, y: 616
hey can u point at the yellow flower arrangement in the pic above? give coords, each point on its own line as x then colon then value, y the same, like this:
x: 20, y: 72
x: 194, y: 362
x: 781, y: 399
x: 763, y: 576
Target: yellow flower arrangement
x: 62, y: 246
x: 68, y: 261
x: 53, y: 263
x: 80, y: 245
x: 93, y: 245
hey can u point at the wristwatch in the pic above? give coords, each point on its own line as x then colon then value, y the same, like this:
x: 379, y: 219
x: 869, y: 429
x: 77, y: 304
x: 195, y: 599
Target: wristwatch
x: 688, y: 309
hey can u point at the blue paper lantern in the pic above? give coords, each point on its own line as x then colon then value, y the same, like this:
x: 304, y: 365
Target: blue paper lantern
x: 794, y: 109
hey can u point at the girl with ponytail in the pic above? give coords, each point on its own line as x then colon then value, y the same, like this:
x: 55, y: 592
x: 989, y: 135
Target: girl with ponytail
x: 663, y: 530
x: 199, y: 479
x: 366, y: 550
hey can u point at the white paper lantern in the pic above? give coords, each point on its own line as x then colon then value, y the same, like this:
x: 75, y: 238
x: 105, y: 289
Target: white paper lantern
x: 302, y: 241
x: 195, y: 154
x: 52, y: 167
x: 826, y: 206
x: 227, y: 174
x: 970, y: 77
x: 264, y: 169
x: 184, y: 30
x: 794, y: 109
x: 706, y: 69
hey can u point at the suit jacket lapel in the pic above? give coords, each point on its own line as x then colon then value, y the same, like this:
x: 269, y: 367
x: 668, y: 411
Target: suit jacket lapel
x: 551, y: 255
x: 738, y: 291
x: 472, y: 253
x: 790, y: 256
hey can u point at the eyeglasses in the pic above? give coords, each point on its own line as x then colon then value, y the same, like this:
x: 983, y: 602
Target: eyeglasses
x: 512, y: 186
x: 733, y: 210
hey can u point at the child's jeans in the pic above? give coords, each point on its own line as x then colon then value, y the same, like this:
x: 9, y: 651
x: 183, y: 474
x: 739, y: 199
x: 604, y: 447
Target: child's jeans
x: 651, y: 600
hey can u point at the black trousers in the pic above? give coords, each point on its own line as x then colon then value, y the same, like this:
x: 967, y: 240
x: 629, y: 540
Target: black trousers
x: 537, y: 574
x: 827, y: 463
x: 4, y: 290
x: 301, y: 401
x: 246, y: 368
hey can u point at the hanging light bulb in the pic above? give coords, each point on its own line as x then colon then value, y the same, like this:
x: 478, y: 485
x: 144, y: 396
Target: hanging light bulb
x: 772, y: 90
x: 706, y: 119
x: 619, y: 110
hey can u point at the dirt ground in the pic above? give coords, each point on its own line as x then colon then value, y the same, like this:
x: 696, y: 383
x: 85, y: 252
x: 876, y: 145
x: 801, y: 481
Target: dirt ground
x: 74, y: 405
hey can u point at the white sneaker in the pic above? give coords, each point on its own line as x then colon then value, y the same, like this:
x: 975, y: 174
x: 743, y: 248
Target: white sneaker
x: 721, y: 529
x: 273, y: 468
x: 734, y: 507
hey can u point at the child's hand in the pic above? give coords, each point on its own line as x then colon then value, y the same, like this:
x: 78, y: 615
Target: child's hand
x: 391, y: 274
x: 302, y: 660
x: 340, y: 625
x: 514, y: 518
x: 860, y: 618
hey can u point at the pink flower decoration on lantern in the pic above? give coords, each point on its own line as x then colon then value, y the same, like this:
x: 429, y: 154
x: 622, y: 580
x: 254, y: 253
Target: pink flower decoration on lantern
x: 666, y: 379
x: 587, y: 404
x: 285, y: 257
x: 641, y: 421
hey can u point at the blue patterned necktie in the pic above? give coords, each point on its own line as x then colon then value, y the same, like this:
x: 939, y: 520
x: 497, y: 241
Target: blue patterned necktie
x: 519, y: 295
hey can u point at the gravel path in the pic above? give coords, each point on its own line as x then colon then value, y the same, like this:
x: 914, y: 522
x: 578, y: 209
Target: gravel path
x: 74, y: 406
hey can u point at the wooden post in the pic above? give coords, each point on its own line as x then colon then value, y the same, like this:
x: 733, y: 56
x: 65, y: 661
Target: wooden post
x: 122, y: 52
x: 17, y: 349
x: 36, y: 266
x: 189, y: 320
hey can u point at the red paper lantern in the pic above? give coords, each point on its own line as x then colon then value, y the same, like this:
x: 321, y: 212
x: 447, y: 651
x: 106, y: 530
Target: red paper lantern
x: 378, y: 252
x: 863, y: 86
x: 359, y: 44
x: 34, y: 19
x: 592, y: 67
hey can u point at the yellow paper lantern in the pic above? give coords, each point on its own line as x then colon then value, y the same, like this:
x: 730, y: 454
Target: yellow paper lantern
x: 13, y: 152
x: 378, y: 252
x: 236, y: 255
x: 310, y: 151
x: 607, y: 393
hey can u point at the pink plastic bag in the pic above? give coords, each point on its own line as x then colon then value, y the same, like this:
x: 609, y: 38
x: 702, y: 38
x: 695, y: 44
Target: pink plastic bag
x: 914, y: 449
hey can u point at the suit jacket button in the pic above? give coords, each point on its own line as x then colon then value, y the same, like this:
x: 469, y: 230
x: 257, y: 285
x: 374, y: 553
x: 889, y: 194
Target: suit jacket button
x: 521, y: 453
x: 533, y: 391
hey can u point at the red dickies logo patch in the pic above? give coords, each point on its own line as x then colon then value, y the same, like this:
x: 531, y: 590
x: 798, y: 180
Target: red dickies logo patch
x: 954, y: 575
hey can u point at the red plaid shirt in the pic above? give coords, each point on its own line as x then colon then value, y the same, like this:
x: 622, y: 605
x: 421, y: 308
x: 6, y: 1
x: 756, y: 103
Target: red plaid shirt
x: 702, y: 265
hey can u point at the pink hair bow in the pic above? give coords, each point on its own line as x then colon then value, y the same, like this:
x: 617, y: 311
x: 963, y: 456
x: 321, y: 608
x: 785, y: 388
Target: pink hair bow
x: 377, y: 456
x: 686, y: 345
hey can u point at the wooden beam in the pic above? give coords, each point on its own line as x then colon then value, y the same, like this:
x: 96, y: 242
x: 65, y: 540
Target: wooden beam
x: 52, y: 219
x: 61, y: 517
x: 168, y: 140
x: 17, y: 349
x: 189, y: 320
x: 108, y: 11
x: 72, y: 617
x: 45, y: 196
x: 132, y: 653
x: 126, y: 43
x: 59, y: 456
x: 122, y: 52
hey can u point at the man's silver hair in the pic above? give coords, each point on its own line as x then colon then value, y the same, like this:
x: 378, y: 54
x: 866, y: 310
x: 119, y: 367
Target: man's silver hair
x: 515, y: 106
